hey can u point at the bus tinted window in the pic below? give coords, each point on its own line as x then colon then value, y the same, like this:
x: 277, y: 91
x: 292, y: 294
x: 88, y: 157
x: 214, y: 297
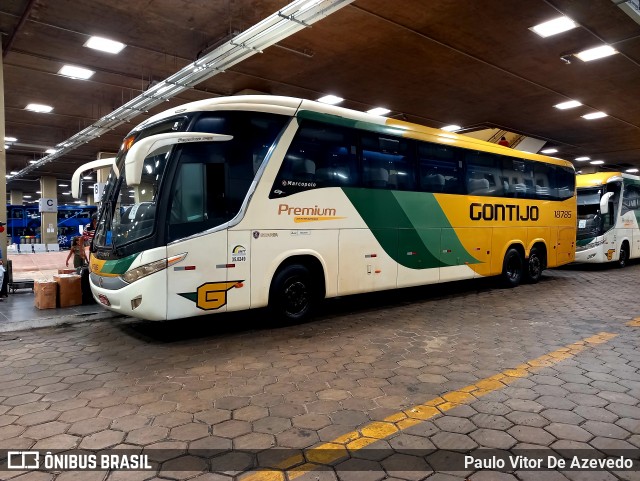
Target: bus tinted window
x: 440, y: 168
x: 320, y: 155
x: 517, y: 178
x: 484, y: 174
x: 387, y: 162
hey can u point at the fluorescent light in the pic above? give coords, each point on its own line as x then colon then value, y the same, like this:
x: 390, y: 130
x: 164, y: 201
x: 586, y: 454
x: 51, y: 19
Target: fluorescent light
x: 330, y: 99
x: 580, y: 159
x: 33, y: 161
x: 76, y: 72
x: 67, y: 193
x: 451, y: 128
x: 10, y: 139
x: 50, y: 151
x: 13, y: 172
x: 568, y: 105
x: 553, y: 27
x: 39, y: 108
x: 26, y: 197
x: 378, y: 111
x: 548, y: 151
x: 38, y: 192
x: 87, y: 177
x: 594, y: 115
x: 6, y: 146
x: 63, y: 185
x: 596, y: 53
x: 631, y: 171
x: 597, y: 162
x: 104, y: 45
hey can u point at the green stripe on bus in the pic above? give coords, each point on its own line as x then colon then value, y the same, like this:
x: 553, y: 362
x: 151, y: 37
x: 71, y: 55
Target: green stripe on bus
x: 409, y: 226
x: 120, y: 266
x: 584, y: 242
x: 344, y: 122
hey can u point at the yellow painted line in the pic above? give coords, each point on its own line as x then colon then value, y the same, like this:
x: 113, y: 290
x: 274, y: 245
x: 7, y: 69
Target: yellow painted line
x: 332, y: 451
x: 634, y: 323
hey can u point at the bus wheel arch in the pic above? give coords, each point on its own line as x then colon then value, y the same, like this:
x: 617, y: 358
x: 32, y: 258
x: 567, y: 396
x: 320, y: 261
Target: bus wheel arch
x: 513, y: 266
x: 623, y: 258
x: 536, y: 262
x: 296, y: 288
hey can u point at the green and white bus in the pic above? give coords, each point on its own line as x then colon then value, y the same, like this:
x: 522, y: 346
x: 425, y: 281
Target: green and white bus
x: 251, y: 201
x: 608, y: 218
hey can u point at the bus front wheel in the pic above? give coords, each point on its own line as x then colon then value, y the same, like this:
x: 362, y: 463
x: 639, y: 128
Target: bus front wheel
x: 535, y: 266
x: 512, y: 268
x: 624, y: 255
x: 292, y: 296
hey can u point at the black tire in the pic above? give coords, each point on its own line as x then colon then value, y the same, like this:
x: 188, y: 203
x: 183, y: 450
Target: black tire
x: 512, y: 268
x: 535, y: 266
x: 624, y: 256
x: 292, y: 297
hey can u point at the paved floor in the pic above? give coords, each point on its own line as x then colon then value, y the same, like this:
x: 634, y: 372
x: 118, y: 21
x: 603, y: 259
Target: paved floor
x: 387, y: 386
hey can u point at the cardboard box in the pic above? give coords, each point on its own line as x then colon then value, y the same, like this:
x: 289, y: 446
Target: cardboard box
x: 66, y: 271
x: 69, y: 290
x: 45, y: 294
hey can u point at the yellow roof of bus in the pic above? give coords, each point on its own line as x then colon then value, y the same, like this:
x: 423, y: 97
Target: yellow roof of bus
x: 599, y: 178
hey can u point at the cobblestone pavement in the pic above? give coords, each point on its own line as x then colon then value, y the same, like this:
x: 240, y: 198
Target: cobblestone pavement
x: 408, y: 382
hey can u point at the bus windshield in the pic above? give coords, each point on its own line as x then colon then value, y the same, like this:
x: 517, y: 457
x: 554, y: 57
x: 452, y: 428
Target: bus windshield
x: 590, y: 222
x: 199, y: 186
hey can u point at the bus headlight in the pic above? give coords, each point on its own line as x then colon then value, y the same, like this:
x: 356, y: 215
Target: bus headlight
x: 150, y: 268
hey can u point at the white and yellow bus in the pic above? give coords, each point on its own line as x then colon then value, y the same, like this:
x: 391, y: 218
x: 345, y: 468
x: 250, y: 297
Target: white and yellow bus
x: 608, y: 218
x: 244, y: 202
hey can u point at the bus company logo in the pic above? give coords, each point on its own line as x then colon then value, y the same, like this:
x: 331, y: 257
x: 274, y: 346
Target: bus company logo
x: 308, y: 214
x: 503, y: 212
x: 211, y: 295
x: 238, y: 254
x: 257, y: 233
x: 295, y: 183
x: 609, y: 254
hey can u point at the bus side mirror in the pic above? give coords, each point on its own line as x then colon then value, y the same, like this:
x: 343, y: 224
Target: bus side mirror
x: 76, y: 179
x: 604, y: 203
x: 140, y: 150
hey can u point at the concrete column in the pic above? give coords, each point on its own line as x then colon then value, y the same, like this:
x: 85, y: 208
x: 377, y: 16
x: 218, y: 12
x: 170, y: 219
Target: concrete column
x: 49, y: 220
x: 102, y: 174
x: 90, y: 200
x: 3, y: 167
x: 16, y: 197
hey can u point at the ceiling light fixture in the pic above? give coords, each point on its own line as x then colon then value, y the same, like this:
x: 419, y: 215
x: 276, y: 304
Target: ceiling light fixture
x: 596, y: 53
x: 568, y: 105
x: 594, y: 115
x: 548, y: 151
x: 13, y: 172
x: 63, y: 185
x: 10, y: 139
x: 553, y: 27
x: 330, y: 99
x: 632, y: 171
x: 597, y: 162
x: 76, y: 72
x: 378, y: 111
x: 451, y: 128
x: 33, y: 161
x: 580, y: 159
x: 50, y: 151
x: 6, y: 146
x: 104, y: 45
x: 39, y: 108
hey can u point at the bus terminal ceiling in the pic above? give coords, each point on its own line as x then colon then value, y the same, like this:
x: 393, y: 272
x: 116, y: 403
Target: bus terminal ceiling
x: 475, y: 64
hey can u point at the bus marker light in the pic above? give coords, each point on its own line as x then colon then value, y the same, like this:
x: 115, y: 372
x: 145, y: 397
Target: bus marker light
x: 103, y: 299
x: 378, y: 271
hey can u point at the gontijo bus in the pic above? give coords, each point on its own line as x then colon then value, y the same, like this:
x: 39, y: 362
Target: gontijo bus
x: 243, y: 202
x: 608, y: 218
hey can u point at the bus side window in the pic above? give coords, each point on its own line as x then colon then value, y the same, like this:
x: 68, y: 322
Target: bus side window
x: 387, y: 162
x: 320, y: 155
x: 483, y: 174
x: 439, y: 168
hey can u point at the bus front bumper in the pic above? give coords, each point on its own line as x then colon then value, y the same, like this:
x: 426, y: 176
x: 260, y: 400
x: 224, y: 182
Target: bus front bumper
x: 593, y: 255
x: 136, y: 300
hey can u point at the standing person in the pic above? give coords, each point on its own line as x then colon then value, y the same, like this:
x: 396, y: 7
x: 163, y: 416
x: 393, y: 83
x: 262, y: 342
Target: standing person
x: 2, y: 270
x: 503, y: 141
x: 79, y: 256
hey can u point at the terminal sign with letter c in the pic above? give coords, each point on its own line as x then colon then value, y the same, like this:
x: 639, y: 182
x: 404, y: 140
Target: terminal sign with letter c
x: 48, y: 205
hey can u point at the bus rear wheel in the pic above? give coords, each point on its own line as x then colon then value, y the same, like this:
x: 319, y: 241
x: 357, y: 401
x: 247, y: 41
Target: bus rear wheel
x: 292, y: 297
x: 512, y: 268
x: 624, y: 256
x: 535, y: 266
